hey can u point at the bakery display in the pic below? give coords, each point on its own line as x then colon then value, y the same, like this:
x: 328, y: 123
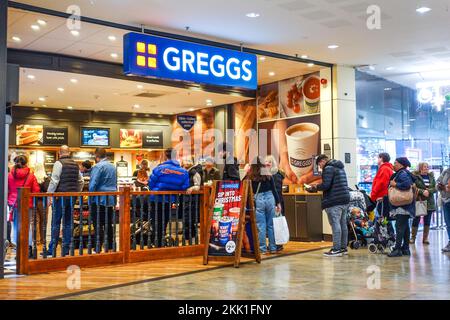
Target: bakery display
x: 29, y: 135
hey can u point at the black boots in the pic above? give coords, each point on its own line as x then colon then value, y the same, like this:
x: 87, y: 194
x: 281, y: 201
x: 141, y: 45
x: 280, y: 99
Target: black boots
x: 395, y: 253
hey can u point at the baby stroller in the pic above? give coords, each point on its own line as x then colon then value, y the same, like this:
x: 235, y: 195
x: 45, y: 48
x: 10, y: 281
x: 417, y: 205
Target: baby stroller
x: 359, y: 225
x: 384, y: 235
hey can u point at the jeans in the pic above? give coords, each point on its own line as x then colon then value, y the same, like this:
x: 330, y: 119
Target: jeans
x: 426, y: 220
x: 160, y: 226
x: 62, y: 211
x: 337, y: 216
x: 265, y: 212
x: 104, y: 223
x: 402, y: 232
x: 447, y: 217
x: 14, y: 228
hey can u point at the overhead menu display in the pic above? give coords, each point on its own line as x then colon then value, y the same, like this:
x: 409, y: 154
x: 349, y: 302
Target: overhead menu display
x: 95, y: 137
x: 157, y: 57
x: 152, y: 139
x: 36, y: 135
x: 55, y: 136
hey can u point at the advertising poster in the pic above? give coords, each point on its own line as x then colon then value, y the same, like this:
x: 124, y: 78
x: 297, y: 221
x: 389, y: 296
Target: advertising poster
x: 152, y: 139
x: 225, y: 220
x: 297, y: 144
x: 300, y: 96
x: 130, y: 138
x: 94, y: 137
x: 244, y: 120
x: 29, y: 135
x: 268, y: 104
x: 55, y: 136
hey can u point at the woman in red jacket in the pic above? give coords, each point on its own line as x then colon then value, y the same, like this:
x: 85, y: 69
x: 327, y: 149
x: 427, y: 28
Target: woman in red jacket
x: 20, y: 177
x: 380, y: 183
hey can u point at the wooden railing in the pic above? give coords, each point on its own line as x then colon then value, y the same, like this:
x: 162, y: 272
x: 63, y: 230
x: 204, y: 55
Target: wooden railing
x: 151, y: 226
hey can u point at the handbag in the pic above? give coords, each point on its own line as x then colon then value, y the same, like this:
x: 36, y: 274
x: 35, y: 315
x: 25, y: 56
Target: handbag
x: 421, y: 208
x: 281, y: 230
x: 399, y: 198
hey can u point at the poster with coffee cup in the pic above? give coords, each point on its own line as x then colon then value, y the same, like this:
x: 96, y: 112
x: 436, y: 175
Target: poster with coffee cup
x: 300, y: 95
x: 298, y: 142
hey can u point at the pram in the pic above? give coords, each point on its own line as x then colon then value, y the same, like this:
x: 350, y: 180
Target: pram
x: 384, y: 235
x: 359, y: 224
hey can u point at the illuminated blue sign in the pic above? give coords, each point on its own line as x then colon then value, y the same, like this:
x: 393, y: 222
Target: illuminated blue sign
x: 150, y: 56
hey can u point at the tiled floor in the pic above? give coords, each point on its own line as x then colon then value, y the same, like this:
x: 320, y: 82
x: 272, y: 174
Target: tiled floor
x: 424, y: 275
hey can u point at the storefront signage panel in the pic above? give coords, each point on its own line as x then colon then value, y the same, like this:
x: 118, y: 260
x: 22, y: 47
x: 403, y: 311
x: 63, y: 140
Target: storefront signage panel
x: 157, y: 57
x: 186, y: 122
x: 152, y: 139
x: 54, y: 136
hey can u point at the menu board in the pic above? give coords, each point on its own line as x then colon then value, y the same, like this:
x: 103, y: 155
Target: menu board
x: 187, y: 122
x: 130, y: 138
x: 95, y: 137
x: 29, y: 135
x: 49, y: 161
x: 152, y: 139
x: 55, y: 136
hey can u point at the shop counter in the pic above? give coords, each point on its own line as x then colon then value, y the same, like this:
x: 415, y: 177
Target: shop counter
x: 303, y: 213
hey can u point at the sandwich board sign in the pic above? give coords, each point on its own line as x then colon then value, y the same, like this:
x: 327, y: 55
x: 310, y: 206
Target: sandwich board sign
x: 231, y: 227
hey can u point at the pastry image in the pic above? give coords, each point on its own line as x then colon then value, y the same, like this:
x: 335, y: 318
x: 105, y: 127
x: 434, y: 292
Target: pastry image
x: 268, y: 103
x: 130, y: 138
x: 29, y: 135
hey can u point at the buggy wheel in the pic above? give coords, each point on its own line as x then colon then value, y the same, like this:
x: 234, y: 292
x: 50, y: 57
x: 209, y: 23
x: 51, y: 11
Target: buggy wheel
x: 352, y: 244
x: 356, y: 245
x: 372, y: 248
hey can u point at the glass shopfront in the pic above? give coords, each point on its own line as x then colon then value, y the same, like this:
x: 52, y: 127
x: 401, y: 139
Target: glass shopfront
x: 402, y: 121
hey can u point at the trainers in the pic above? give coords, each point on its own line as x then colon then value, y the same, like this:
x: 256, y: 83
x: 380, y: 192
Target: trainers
x: 344, y: 251
x: 333, y: 253
x: 446, y: 248
x: 395, y: 253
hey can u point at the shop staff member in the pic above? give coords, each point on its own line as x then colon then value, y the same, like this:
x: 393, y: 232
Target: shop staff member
x: 336, y: 198
x: 210, y: 173
x: 228, y: 164
x: 103, y: 179
x: 168, y: 176
x: 66, y: 177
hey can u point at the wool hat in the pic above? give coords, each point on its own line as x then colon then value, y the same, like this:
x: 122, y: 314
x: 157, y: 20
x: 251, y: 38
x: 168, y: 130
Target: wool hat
x: 403, y: 161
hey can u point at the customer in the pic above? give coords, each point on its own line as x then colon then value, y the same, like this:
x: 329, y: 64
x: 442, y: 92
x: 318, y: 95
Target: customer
x: 443, y: 183
x: 142, y: 175
x: 229, y: 166
x: 402, y: 179
x: 41, y: 212
x: 66, y: 177
x: 103, y: 179
x: 195, y: 174
x: 20, y: 177
x: 85, y: 169
x: 381, y: 181
x: 426, y: 187
x: 267, y: 203
x: 168, y: 176
x: 335, y: 202
x: 210, y: 173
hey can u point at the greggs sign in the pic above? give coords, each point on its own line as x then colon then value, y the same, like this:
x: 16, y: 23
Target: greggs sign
x: 151, y: 56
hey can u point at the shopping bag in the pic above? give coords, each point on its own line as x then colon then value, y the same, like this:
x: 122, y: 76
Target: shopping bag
x: 421, y: 208
x: 281, y: 230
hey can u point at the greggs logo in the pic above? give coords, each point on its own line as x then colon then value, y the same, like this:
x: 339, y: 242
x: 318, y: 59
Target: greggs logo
x: 157, y: 57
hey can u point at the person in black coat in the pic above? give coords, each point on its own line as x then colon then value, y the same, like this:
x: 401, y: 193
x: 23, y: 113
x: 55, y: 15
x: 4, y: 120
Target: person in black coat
x: 336, y: 198
x: 228, y: 164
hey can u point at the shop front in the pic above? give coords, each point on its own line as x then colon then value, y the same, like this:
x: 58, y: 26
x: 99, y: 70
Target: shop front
x: 136, y: 98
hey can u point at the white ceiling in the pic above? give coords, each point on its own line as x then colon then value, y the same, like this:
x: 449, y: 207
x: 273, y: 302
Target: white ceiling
x: 107, y: 94
x: 418, y: 46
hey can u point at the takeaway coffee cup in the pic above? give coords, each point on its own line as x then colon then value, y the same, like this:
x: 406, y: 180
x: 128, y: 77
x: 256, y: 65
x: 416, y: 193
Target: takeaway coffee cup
x: 302, y: 143
x: 225, y: 230
x: 234, y: 214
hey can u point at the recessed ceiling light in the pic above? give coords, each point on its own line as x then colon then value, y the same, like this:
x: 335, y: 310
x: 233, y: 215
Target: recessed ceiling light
x: 271, y: 73
x: 114, y: 55
x: 423, y: 9
x: 60, y: 110
x: 304, y: 56
x: 208, y: 101
x: 140, y: 86
x: 31, y: 77
x: 112, y: 38
x: 333, y: 46
x: 136, y: 106
x: 35, y: 27
x: 41, y: 99
x: 60, y: 89
x: 75, y: 33
x: 44, y: 105
x: 262, y: 58
x: 310, y: 64
x: 390, y: 68
x: 74, y: 80
x: 372, y: 68
x: 42, y: 22
x: 70, y: 107
x: 191, y: 109
x: 16, y: 39
x: 252, y: 15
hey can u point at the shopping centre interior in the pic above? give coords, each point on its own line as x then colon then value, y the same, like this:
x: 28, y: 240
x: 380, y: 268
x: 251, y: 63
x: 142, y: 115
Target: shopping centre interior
x: 290, y: 78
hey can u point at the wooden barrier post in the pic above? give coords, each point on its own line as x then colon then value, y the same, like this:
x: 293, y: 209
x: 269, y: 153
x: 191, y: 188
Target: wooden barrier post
x: 124, y: 220
x: 23, y: 228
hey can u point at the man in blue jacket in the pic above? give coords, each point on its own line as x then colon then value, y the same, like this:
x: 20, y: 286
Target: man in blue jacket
x: 103, y: 179
x: 168, y: 176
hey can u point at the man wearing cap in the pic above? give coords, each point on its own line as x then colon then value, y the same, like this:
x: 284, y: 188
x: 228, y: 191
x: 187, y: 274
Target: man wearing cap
x: 402, y: 180
x: 210, y: 173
